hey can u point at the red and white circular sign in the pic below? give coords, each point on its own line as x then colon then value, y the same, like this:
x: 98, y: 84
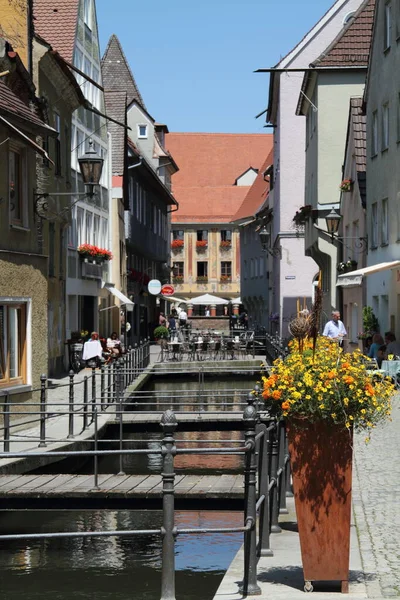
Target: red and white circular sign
x: 168, y: 290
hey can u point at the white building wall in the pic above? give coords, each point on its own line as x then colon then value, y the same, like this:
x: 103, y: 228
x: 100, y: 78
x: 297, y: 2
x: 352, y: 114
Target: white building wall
x: 289, y: 154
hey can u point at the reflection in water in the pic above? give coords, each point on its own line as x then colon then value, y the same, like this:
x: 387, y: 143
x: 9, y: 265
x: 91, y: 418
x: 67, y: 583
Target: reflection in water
x: 112, y: 568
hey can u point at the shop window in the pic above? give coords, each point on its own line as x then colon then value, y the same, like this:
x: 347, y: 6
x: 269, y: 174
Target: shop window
x: 12, y: 344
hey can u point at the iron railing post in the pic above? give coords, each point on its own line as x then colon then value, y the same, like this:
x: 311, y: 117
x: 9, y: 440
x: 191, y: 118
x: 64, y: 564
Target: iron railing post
x: 119, y: 405
x: 93, y: 391
x: 275, y: 528
x: 168, y: 530
x: 109, y: 381
x: 6, y: 420
x: 85, y: 402
x: 135, y: 361
x: 96, y: 447
x: 102, y: 388
x: 43, y: 380
x: 71, y: 405
x: 250, y: 585
x: 264, y: 547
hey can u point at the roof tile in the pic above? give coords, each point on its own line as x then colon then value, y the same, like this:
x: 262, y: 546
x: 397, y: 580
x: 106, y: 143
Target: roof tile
x: 10, y: 104
x: 256, y: 195
x: 209, y: 164
x: 56, y: 22
x: 117, y: 75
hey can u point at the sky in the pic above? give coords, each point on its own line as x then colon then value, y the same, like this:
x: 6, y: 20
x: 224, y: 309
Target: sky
x: 193, y: 60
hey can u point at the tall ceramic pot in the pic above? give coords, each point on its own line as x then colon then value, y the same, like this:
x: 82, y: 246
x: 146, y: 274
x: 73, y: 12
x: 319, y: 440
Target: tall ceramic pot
x: 321, y: 463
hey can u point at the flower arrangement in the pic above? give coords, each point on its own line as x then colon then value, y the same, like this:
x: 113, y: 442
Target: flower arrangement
x: 89, y: 251
x: 346, y: 185
x: 177, y: 244
x: 226, y: 278
x: 302, y: 214
x: 201, y: 244
x: 225, y: 244
x: 328, y: 385
x: 178, y: 278
x: 202, y: 279
x: 345, y: 267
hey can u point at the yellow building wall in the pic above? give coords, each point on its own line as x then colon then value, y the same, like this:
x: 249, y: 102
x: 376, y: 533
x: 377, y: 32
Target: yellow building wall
x: 14, y: 26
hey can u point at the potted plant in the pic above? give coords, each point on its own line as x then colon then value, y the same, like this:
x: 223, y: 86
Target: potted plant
x: 177, y: 244
x: 323, y: 394
x: 160, y: 333
x: 202, y: 279
x: 225, y: 244
x: 177, y: 279
x: 226, y: 278
x: 88, y: 251
x: 370, y: 322
x: 346, y: 185
x: 201, y: 245
x: 303, y: 214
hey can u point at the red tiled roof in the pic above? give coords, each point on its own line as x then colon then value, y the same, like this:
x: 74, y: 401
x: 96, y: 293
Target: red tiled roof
x: 256, y: 195
x: 352, y: 46
x: 209, y: 164
x: 10, y: 104
x: 56, y: 22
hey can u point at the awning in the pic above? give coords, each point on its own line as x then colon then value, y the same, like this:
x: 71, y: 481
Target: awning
x: 355, y: 277
x: 118, y: 294
x: 208, y: 299
x: 26, y: 139
x: 174, y: 299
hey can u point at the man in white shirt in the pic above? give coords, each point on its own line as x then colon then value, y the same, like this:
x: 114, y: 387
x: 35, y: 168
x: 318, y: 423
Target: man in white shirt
x: 182, y: 318
x: 334, y: 328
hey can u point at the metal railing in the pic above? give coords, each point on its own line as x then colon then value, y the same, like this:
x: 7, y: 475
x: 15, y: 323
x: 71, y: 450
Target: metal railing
x: 275, y: 347
x: 266, y: 482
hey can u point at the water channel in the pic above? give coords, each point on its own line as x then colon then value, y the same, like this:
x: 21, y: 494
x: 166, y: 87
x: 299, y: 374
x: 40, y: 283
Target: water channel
x: 128, y: 568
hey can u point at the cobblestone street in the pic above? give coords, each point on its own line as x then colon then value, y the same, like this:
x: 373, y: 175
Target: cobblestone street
x: 376, y: 497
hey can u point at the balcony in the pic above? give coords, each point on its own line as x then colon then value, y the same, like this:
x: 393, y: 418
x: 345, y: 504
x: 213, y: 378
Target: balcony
x: 91, y: 270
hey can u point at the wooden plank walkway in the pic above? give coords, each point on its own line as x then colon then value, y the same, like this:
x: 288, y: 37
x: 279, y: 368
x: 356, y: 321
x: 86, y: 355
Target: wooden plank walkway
x: 119, y: 486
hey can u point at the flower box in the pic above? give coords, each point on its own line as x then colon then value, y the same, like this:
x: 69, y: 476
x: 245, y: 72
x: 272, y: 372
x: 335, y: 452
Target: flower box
x: 177, y: 244
x: 346, y: 267
x: 225, y: 245
x: 226, y: 279
x: 94, y: 252
x: 346, y: 185
x: 303, y: 214
x: 202, y: 279
x: 201, y: 245
x: 178, y: 279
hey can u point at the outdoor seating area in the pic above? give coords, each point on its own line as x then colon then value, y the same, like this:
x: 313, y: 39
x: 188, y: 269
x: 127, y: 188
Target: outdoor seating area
x: 189, y: 345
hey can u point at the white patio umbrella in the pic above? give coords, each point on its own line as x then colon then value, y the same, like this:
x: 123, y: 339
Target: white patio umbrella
x: 207, y: 299
x: 236, y: 301
x: 174, y: 299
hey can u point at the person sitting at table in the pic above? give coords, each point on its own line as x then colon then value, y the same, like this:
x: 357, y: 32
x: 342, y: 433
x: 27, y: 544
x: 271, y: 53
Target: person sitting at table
x: 377, y: 342
x: 172, y: 324
x: 381, y: 355
x: 392, y: 346
x: 114, y: 344
x: 92, y: 349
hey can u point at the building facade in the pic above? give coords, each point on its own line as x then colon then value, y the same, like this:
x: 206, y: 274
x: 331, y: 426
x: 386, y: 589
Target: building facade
x: 289, y: 163
x: 216, y: 171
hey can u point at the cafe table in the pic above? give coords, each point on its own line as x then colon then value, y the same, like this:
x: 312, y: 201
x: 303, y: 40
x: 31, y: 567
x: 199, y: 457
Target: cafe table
x: 391, y: 368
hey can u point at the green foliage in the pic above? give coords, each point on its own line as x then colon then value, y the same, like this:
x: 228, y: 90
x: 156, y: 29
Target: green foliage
x: 370, y: 322
x: 160, y: 332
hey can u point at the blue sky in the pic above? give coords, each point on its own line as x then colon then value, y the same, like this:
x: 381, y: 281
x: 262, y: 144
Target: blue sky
x: 193, y: 60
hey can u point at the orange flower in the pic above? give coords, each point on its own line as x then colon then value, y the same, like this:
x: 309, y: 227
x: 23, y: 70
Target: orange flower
x: 276, y: 394
x: 265, y: 394
x: 331, y: 375
x: 285, y: 405
x: 346, y: 365
x: 348, y: 379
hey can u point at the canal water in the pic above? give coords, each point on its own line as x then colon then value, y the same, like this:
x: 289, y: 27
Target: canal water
x: 129, y: 568
x: 122, y: 568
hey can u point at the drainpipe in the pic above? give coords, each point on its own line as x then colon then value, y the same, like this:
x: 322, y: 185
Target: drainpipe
x: 137, y: 164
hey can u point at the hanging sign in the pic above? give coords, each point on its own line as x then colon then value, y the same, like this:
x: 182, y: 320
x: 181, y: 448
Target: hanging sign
x: 168, y: 290
x: 154, y: 287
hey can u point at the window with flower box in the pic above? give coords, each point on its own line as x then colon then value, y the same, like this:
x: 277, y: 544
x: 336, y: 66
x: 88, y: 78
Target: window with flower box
x: 226, y: 270
x: 202, y: 271
x: 202, y: 235
x: 13, y: 328
x: 17, y: 188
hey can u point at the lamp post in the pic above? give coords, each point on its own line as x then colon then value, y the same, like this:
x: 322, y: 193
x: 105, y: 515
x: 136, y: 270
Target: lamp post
x: 264, y: 236
x: 332, y: 222
x: 332, y: 219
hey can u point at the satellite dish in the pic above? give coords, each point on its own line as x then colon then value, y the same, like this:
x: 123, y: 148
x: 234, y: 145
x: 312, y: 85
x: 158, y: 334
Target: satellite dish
x: 46, y: 208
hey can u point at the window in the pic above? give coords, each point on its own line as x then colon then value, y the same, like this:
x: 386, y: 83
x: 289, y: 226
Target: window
x: 52, y: 249
x: 374, y: 225
x: 226, y: 269
x: 79, y: 226
x: 202, y: 235
x: 88, y: 228
x: 374, y: 138
x: 95, y: 90
x: 387, y: 34
x: 87, y: 13
x: 104, y: 233
x: 202, y: 270
x: 226, y: 235
x: 142, y: 131
x: 17, y: 192
x: 385, y: 127
x: 96, y: 231
x: 179, y: 269
x: 385, y: 223
x: 177, y: 234
x: 57, y: 144
x: 12, y: 343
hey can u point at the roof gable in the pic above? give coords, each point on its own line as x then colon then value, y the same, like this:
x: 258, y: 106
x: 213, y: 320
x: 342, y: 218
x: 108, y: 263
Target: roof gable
x: 351, y: 46
x: 243, y: 177
x: 117, y: 75
x: 257, y: 194
x: 56, y: 22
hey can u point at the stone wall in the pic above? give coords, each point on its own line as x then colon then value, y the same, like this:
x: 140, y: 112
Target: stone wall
x: 217, y: 323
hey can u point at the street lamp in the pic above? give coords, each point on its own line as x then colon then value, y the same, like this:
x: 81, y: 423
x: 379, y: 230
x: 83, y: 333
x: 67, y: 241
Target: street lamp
x: 332, y: 222
x: 264, y: 236
x: 91, y: 166
x: 332, y: 219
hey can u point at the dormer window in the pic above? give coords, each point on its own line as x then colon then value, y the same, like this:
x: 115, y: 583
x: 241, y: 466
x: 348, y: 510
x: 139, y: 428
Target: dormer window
x: 142, y: 131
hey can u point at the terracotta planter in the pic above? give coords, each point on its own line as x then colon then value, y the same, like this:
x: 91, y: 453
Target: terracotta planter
x: 321, y: 462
